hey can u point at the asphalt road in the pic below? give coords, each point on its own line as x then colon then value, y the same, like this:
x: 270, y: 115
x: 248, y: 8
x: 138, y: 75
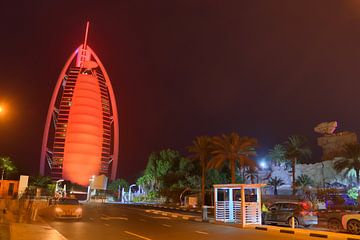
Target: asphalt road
x: 111, y: 221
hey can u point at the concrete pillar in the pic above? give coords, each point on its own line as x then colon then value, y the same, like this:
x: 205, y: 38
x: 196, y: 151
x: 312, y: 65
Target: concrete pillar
x: 243, y: 209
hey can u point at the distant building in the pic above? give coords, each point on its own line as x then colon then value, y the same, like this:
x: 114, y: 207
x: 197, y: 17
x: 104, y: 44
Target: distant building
x: 81, y: 136
x: 8, y: 188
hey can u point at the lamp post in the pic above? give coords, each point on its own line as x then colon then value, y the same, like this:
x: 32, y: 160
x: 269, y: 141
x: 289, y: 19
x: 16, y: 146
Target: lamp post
x: 132, y: 185
x: 91, y: 181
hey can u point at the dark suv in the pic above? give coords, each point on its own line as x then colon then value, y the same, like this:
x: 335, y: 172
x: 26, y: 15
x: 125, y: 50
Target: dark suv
x: 282, y: 212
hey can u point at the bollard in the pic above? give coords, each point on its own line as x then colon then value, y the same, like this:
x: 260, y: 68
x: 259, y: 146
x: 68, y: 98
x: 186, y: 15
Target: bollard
x: 35, y: 214
x: 204, y: 213
x: 292, y: 222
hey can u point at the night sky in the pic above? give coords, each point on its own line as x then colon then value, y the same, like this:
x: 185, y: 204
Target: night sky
x: 266, y: 69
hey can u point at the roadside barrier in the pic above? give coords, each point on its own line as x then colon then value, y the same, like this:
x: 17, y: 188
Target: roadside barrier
x: 310, y: 233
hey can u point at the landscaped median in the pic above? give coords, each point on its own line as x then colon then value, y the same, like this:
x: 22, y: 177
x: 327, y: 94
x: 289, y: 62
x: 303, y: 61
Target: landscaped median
x: 174, y: 215
x: 304, y: 232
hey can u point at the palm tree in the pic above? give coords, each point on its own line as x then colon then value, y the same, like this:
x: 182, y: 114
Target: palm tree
x: 233, y: 148
x: 200, y: 151
x: 251, y: 173
x: 296, y: 150
x: 350, y: 160
x: 303, y: 181
x: 7, y: 166
x: 40, y: 182
x: 277, y: 154
x: 275, y: 183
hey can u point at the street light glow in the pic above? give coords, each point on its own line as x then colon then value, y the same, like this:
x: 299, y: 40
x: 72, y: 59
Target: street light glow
x: 263, y: 164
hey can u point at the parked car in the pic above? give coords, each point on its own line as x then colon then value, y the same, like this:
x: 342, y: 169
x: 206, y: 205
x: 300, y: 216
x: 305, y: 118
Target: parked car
x: 66, y: 208
x: 282, y: 212
x: 349, y: 222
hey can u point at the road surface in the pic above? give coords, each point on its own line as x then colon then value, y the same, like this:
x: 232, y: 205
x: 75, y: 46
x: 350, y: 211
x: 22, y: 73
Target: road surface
x: 111, y: 221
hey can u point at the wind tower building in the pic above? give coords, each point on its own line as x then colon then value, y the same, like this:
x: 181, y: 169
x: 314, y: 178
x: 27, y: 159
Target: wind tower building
x: 81, y: 135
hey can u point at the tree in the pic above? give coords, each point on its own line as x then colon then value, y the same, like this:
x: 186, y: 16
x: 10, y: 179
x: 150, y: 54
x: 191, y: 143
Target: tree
x: 251, y: 174
x: 215, y: 176
x: 7, y: 166
x: 40, y: 181
x: 200, y: 151
x: 277, y: 154
x: 275, y: 183
x: 303, y: 181
x: 296, y: 150
x: 157, y: 167
x: 233, y: 148
x: 349, y: 160
x: 167, y: 173
x: 114, y: 185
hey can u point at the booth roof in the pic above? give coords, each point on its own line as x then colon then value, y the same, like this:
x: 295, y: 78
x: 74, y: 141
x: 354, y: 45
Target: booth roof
x: 236, y: 185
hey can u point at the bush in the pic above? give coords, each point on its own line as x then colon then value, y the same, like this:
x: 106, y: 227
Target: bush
x: 330, y: 196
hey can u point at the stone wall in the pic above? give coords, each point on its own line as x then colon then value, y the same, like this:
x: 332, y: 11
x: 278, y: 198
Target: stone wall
x: 332, y: 145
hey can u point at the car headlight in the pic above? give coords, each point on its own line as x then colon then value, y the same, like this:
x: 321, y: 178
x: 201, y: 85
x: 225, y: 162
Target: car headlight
x: 58, y: 210
x: 78, y: 210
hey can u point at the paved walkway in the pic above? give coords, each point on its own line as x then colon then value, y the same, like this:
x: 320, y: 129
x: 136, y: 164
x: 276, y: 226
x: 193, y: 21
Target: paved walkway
x: 23, y: 231
x: 4, y: 232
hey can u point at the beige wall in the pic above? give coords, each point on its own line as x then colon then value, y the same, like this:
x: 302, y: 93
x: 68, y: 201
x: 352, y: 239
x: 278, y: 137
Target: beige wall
x: 5, y: 187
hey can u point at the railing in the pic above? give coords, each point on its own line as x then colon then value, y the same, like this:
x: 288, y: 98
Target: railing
x: 227, y: 212
x: 252, y: 213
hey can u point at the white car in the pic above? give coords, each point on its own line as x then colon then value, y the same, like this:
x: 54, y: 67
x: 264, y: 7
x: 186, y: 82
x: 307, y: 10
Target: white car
x: 351, y: 223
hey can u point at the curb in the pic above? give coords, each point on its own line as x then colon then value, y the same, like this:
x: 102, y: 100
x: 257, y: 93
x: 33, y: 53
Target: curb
x: 310, y: 233
x: 193, y: 210
x: 177, y: 216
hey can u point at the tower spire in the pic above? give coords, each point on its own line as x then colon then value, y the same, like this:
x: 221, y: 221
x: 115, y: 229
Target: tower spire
x: 86, y: 35
x: 83, y: 53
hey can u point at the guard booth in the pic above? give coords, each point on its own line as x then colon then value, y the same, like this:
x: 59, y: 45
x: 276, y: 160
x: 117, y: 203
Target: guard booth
x: 238, y: 203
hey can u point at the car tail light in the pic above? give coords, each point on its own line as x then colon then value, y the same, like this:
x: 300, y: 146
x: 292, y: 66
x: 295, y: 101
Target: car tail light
x: 306, y: 213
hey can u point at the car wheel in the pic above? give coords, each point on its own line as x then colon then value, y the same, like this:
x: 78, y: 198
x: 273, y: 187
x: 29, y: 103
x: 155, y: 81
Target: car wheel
x: 296, y: 222
x: 334, y: 225
x: 353, y: 226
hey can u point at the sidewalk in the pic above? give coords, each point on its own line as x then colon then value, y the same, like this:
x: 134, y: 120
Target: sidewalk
x: 16, y: 223
x: 4, y: 232
x: 23, y: 231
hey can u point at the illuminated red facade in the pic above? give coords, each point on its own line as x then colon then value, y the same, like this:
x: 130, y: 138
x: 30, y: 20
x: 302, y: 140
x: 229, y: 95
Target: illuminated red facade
x: 81, y: 136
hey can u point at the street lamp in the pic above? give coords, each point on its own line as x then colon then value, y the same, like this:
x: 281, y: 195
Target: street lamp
x: 91, y: 182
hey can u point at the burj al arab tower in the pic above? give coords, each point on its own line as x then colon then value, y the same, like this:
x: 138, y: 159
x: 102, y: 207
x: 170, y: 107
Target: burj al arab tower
x: 81, y: 136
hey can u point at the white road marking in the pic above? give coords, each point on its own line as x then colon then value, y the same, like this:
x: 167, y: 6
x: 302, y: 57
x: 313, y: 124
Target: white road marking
x: 200, y: 232
x: 166, y: 225
x: 114, y: 218
x: 167, y: 218
x: 136, y: 235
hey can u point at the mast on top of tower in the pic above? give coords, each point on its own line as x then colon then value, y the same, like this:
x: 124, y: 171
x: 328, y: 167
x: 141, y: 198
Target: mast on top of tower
x: 83, y: 53
x: 86, y: 35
